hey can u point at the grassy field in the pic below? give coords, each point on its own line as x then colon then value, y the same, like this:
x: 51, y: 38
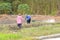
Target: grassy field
x: 8, y: 33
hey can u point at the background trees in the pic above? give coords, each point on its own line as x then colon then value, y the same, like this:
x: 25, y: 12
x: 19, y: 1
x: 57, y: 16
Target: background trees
x: 5, y: 8
x: 43, y: 7
x: 23, y: 9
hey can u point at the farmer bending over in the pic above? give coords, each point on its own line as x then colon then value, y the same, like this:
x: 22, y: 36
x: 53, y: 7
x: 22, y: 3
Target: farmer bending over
x: 28, y: 18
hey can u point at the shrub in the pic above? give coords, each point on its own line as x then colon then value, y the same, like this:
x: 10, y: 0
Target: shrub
x: 5, y: 8
x: 23, y: 8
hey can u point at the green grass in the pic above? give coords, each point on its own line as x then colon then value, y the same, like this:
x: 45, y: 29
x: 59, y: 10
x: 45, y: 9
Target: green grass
x: 7, y: 33
x: 9, y: 36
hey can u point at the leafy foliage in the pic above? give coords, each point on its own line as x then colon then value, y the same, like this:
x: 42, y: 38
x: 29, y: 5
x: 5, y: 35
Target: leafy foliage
x: 42, y: 7
x: 23, y: 8
x: 5, y: 7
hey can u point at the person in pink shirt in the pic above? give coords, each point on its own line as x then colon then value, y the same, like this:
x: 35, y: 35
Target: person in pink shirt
x: 19, y: 21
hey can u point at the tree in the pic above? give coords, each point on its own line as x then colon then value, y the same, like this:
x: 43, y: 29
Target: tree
x: 42, y: 7
x: 5, y: 8
x: 23, y: 8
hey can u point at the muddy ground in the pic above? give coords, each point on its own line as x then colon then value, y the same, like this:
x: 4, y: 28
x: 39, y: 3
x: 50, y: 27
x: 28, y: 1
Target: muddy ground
x: 11, y: 19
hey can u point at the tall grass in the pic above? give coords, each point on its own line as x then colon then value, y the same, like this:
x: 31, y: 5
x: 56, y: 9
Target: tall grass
x: 7, y: 33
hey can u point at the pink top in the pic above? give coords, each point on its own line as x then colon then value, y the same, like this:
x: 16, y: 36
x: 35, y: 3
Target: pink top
x: 19, y: 19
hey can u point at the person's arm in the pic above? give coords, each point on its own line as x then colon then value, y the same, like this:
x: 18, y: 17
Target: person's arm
x: 23, y: 20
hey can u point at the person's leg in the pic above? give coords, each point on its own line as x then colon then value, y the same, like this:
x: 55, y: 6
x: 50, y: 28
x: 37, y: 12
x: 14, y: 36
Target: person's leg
x: 19, y: 25
x: 28, y: 21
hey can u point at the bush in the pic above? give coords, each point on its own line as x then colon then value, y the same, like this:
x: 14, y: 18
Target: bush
x: 23, y: 9
x: 5, y: 8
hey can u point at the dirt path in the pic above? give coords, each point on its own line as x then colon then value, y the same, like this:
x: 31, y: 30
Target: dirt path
x: 10, y: 19
x: 49, y: 37
x: 53, y: 39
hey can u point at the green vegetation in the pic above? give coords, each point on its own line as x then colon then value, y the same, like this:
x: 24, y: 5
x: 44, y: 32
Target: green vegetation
x: 7, y: 33
x: 43, y: 7
x: 5, y: 8
x: 23, y: 9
